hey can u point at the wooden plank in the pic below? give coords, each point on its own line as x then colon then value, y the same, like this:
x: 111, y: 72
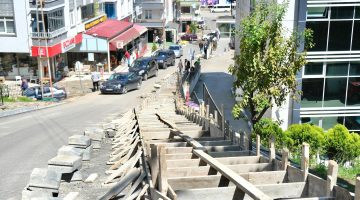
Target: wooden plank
x: 222, y: 148
x: 225, y: 161
x: 173, y: 150
x: 230, y: 154
x: 240, y: 182
x: 183, y: 163
x: 285, y: 190
x: 179, y: 156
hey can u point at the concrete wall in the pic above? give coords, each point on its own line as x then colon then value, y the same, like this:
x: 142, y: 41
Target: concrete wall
x: 19, y: 42
x: 124, y: 8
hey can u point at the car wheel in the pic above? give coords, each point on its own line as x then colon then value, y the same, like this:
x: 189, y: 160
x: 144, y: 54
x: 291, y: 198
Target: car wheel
x: 138, y: 86
x: 156, y: 73
x: 145, y: 77
x: 125, y: 90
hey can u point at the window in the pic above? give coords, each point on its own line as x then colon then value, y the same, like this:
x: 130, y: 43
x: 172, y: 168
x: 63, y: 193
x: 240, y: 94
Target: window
x: 312, y: 89
x: 354, y: 69
x: 334, y: 95
x: 7, y: 25
x: 87, y: 12
x: 340, y: 35
x: 320, y: 34
x: 337, y: 69
x: 55, y: 20
x: 352, y: 122
x: 110, y: 10
x: 329, y: 122
x: 313, y: 69
x: 148, y: 14
x: 353, y: 98
x: 72, y: 18
x: 356, y: 38
x: 185, y: 9
x: 317, y: 12
x: 357, y: 12
x: 345, y: 12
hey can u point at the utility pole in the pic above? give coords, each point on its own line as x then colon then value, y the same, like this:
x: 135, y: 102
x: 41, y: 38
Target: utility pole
x: 40, y: 68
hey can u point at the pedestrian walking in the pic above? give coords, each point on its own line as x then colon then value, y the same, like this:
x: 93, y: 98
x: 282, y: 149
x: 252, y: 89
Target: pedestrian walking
x: 201, y: 46
x: 180, y: 66
x: 188, y: 65
x: 127, y: 56
x: 24, y: 85
x: 95, y: 77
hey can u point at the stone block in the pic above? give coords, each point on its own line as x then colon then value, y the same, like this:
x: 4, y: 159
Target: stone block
x: 71, y: 196
x: 80, y: 141
x: 87, y: 153
x: 68, y: 150
x: 44, y: 178
x: 111, y: 133
x: 76, y: 176
x: 64, y: 164
x: 96, y: 144
x: 36, y: 195
x: 95, y: 133
x: 91, y: 178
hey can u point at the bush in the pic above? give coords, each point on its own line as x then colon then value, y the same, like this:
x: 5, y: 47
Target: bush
x: 153, y: 47
x: 340, y: 145
x: 296, y: 134
x: 267, y: 128
x: 193, y: 28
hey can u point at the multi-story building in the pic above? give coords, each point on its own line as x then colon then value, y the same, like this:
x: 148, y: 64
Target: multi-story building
x: 186, y: 12
x: 155, y: 15
x: 330, y: 81
x: 121, y: 10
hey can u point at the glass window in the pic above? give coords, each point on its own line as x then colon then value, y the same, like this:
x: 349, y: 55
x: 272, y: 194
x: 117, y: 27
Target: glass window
x: 56, y: 20
x: 337, y: 69
x: 2, y: 27
x: 354, y: 68
x: 344, y: 12
x: 356, y: 38
x: 340, y: 35
x: 320, y: 30
x: 329, y: 122
x: 352, y: 122
x: 313, y: 69
x: 7, y: 25
x: 110, y: 10
x: 357, y: 12
x: 353, y: 96
x: 87, y: 12
x: 317, y: 12
x: 310, y: 120
x: 334, y: 95
x: 312, y: 92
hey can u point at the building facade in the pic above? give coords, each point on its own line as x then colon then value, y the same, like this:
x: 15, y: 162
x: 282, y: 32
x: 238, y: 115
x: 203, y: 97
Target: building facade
x: 330, y: 81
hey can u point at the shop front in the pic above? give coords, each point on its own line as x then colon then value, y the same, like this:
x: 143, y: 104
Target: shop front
x: 54, y: 58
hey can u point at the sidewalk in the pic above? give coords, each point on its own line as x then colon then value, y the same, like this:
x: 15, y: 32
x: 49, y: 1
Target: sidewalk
x: 214, y: 73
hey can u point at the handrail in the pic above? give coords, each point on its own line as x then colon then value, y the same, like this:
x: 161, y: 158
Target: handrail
x: 212, y: 99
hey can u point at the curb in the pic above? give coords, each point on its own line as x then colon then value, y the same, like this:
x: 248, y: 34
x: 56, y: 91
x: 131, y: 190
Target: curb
x: 27, y: 109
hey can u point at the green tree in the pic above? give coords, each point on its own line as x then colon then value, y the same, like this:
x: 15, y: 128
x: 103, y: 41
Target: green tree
x: 296, y: 134
x: 267, y: 128
x: 266, y: 68
x: 153, y: 47
x: 340, y: 145
x: 193, y: 28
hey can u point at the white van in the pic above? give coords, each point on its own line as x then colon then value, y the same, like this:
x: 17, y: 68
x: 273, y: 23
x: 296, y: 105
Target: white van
x: 220, y: 8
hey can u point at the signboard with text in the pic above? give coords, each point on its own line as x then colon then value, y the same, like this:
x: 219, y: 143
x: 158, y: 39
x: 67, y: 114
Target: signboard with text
x: 95, y: 22
x: 68, y: 44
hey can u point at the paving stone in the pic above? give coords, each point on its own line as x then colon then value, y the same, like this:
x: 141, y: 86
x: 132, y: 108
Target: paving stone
x: 95, y: 133
x: 71, y: 196
x: 76, y: 176
x: 68, y: 150
x: 87, y: 153
x: 79, y: 140
x: 37, y: 195
x: 96, y: 144
x: 44, y: 178
x: 65, y: 164
x: 91, y: 178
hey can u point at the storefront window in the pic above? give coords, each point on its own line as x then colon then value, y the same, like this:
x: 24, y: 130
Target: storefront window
x: 329, y: 122
x: 87, y: 12
x: 334, y: 95
x: 313, y: 69
x: 353, y: 98
x: 352, y: 122
x: 312, y: 91
x: 340, y: 35
x: 310, y: 120
x: 337, y: 69
x: 320, y: 32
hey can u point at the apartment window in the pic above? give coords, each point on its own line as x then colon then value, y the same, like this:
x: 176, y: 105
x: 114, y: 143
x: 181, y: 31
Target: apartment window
x: 337, y: 69
x: 340, y: 35
x: 344, y: 12
x: 357, y: 12
x: 7, y: 25
x: 356, y: 37
x: 55, y: 20
x: 320, y: 29
x: 110, y: 10
x: 72, y: 18
x: 148, y: 14
x: 87, y: 12
x: 317, y: 12
x: 185, y: 9
x: 312, y: 92
x: 313, y: 69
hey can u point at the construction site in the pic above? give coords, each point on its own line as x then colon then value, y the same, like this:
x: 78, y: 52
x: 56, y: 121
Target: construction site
x: 165, y: 149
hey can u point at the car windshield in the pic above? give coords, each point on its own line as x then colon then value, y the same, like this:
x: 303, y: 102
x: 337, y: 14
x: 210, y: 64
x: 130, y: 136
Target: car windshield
x: 118, y: 77
x: 161, y: 53
x: 174, y: 47
x: 139, y: 64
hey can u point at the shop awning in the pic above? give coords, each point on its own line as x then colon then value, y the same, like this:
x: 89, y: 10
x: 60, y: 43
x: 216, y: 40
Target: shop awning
x: 109, y: 29
x: 126, y: 37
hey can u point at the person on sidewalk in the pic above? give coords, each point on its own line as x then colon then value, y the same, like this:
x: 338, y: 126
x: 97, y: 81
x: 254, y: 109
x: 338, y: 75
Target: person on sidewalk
x: 201, y: 46
x: 180, y: 66
x: 95, y: 77
x: 24, y: 85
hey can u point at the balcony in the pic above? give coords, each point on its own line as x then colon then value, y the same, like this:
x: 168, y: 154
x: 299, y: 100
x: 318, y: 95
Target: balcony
x: 49, y: 4
x: 48, y: 35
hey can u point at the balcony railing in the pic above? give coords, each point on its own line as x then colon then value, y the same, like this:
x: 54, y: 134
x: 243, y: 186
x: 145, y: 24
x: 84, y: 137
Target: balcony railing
x: 47, y: 35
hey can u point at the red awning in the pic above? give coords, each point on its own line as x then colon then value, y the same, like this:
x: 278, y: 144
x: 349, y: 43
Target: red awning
x: 109, y: 29
x: 127, y: 37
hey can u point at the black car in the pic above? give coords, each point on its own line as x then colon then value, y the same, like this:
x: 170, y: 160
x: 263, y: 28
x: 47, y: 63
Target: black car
x: 121, y: 83
x: 165, y: 58
x: 145, y: 67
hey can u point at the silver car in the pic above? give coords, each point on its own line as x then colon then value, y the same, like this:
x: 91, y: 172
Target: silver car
x: 177, y: 49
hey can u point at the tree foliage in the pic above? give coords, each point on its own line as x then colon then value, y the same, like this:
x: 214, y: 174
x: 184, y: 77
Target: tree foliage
x: 153, y: 47
x: 268, y: 62
x: 267, y: 128
x: 193, y: 28
x: 340, y: 145
x: 296, y: 134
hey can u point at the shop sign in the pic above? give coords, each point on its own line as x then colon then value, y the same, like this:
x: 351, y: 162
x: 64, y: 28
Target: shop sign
x: 120, y: 44
x: 42, y: 51
x: 67, y: 44
x: 95, y: 22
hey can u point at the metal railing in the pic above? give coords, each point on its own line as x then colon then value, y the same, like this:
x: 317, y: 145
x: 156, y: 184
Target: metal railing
x: 209, y: 100
x: 49, y: 34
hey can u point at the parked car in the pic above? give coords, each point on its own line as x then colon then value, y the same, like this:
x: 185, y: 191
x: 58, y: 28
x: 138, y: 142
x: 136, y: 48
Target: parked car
x: 164, y: 58
x: 189, y: 37
x: 121, y: 83
x: 177, y: 49
x: 209, y: 35
x: 145, y: 67
x: 35, y: 92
